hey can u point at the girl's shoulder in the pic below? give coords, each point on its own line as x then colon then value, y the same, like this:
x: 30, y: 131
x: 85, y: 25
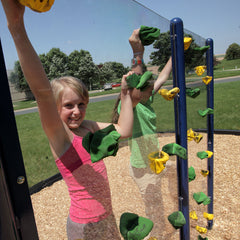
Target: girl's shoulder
x: 94, y: 126
x: 89, y: 125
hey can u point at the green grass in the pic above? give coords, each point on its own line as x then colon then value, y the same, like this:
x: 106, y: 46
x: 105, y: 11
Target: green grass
x: 37, y: 157
x: 228, y: 64
x: 24, y: 104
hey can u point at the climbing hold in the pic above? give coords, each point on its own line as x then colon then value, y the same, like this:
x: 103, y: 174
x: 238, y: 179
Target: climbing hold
x: 191, y: 174
x: 208, y: 216
x: 193, y: 215
x: 207, y: 79
x: 139, y: 81
x: 177, y: 219
x: 193, y: 93
x: 169, y: 94
x: 158, y: 161
x: 148, y: 35
x: 202, y: 49
x: 201, y: 229
x: 201, y: 238
x: 201, y: 197
x: 199, y: 70
x: 175, y: 149
x: 204, y: 172
x: 191, y: 135
x: 187, y: 43
x: 37, y: 5
x: 203, y: 113
x: 134, y: 227
x: 204, y: 154
x: 152, y: 238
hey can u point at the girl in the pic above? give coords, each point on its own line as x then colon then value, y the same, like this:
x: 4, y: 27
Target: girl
x: 144, y: 140
x: 62, y: 109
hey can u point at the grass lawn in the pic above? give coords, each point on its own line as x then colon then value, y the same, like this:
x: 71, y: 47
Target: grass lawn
x: 37, y: 157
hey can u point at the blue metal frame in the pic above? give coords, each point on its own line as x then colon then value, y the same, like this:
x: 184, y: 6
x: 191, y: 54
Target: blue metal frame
x: 178, y: 63
x: 210, y: 124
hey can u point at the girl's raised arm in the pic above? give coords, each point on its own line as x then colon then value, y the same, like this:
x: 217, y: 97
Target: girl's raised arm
x: 35, y: 75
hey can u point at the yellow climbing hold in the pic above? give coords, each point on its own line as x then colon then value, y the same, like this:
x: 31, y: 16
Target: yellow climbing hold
x: 169, y: 94
x: 152, y: 238
x: 157, y: 161
x: 209, y: 153
x: 201, y: 229
x: 204, y: 172
x: 207, y: 79
x: 38, y: 5
x: 193, y: 215
x: 187, y: 43
x: 191, y: 135
x: 199, y: 70
x: 208, y: 216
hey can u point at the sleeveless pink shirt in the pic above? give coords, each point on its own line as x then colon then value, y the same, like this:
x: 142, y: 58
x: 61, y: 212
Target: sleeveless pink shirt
x: 87, y: 183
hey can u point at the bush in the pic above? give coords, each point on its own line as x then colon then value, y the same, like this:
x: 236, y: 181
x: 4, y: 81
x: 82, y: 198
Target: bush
x: 233, y: 52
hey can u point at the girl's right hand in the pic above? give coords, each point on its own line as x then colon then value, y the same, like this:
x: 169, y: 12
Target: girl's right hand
x: 14, y: 11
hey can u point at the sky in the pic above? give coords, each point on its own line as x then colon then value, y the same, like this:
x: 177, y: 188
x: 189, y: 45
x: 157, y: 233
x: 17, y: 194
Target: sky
x: 219, y: 20
x: 103, y: 27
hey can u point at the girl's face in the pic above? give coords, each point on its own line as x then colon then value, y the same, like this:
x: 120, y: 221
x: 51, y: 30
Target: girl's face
x: 72, y: 108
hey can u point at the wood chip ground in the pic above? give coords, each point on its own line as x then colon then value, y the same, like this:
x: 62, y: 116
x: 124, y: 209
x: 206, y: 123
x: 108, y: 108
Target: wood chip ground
x: 52, y: 203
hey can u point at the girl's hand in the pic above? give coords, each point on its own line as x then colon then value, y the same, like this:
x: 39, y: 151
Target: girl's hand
x: 14, y: 12
x: 136, y: 44
x: 124, y: 85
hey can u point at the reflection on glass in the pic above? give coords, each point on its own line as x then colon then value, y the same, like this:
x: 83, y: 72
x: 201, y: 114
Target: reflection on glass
x: 99, y: 32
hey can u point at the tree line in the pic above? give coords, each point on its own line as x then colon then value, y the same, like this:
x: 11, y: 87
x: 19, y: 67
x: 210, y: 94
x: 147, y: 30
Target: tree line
x: 80, y: 64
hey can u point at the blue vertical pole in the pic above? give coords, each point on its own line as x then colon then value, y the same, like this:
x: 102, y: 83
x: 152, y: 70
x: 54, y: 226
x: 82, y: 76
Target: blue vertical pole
x: 210, y: 123
x: 177, y: 46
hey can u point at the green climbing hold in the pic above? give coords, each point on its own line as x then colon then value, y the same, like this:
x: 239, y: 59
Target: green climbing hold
x: 177, y: 219
x: 148, y: 34
x: 202, y: 49
x: 203, y: 113
x: 191, y: 174
x: 201, y: 197
x: 192, y: 92
x: 175, y: 149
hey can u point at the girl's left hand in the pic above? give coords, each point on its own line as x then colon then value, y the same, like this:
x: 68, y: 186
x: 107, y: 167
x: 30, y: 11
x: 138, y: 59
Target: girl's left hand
x: 124, y: 85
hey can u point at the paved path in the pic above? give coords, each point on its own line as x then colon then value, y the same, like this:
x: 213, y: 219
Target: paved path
x: 114, y: 95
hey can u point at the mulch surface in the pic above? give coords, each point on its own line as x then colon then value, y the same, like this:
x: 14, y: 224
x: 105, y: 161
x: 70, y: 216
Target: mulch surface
x: 52, y: 203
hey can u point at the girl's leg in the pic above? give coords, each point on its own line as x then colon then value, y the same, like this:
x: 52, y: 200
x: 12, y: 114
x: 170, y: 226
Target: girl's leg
x: 105, y: 229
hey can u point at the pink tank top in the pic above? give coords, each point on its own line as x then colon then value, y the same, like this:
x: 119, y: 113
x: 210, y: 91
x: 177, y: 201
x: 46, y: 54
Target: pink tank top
x: 87, y: 183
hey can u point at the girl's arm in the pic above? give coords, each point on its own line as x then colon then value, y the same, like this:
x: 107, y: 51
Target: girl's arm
x: 124, y: 124
x: 163, y: 75
x: 36, y: 77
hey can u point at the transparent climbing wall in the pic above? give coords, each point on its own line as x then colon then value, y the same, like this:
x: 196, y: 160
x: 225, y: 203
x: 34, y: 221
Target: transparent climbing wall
x: 102, y: 28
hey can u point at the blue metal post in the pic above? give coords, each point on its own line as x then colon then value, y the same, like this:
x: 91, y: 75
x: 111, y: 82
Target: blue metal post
x: 210, y: 123
x: 177, y: 45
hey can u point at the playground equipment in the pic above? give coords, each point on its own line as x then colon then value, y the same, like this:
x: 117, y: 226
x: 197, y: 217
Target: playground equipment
x: 158, y: 161
x: 16, y: 209
x: 177, y: 46
x: 16, y: 218
x: 169, y: 94
x: 38, y: 5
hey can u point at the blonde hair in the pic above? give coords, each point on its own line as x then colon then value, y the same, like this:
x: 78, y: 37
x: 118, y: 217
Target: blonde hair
x: 73, y: 83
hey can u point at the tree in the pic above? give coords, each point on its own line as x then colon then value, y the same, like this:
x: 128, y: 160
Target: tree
x: 17, y: 78
x: 106, y: 72
x: 233, y: 52
x: 163, y: 45
x: 56, y: 63
x: 81, y: 66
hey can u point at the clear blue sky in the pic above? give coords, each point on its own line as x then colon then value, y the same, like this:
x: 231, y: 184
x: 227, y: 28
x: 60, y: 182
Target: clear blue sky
x: 219, y: 20
x: 103, y: 27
